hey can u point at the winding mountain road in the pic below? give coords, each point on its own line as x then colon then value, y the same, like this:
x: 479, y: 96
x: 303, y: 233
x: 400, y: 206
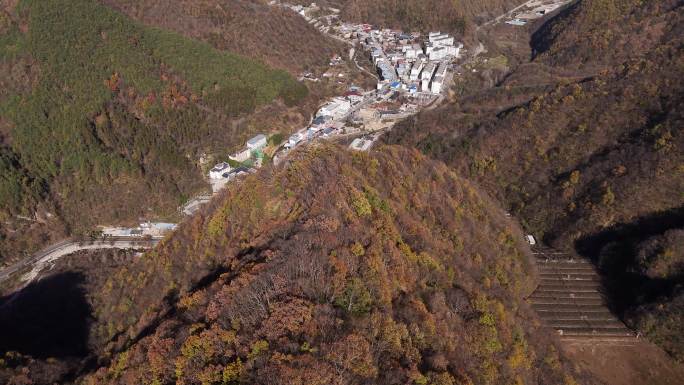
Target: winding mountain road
x: 38, y: 261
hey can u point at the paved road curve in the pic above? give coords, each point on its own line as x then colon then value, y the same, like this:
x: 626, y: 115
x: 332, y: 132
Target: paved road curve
x: 41, y: 259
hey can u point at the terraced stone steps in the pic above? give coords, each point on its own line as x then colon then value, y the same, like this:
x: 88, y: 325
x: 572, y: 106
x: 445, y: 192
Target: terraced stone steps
x: 595, y: 317
x: 602, y: 341
x: 569, y: 277
x: 571, y: 283
x: 589, y: 331
x: 573, y: 324
x: 566, y: 270
x: 565, y: 301
x: 570, y: 307
x: 569, y: 299
x: 565, y: 294
x: 551, y: 313
x: 554, y: 288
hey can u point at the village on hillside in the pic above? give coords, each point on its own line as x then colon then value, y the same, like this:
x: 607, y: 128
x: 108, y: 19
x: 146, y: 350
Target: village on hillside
x: 413, y: 71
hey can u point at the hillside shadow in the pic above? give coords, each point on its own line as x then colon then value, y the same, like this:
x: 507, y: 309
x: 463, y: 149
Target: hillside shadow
x: 543, y: 37
x: 614, y: 251
x: 48, y: 318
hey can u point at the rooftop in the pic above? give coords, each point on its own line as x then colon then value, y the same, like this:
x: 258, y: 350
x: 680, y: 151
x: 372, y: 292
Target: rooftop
x: 220, y: 167
x: 360, y: 144
x: 255, y: 140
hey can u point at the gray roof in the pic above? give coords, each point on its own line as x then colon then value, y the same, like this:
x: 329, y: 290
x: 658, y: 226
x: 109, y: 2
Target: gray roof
x: 256, y: 139
x: 221, y: 166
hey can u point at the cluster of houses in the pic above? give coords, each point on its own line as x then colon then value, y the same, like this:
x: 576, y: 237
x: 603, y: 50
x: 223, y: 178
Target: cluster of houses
x: 329, y: 117
x: 412, y: 69
x: 402, y: 60
x: 253, y: 149
x: 406, y: 65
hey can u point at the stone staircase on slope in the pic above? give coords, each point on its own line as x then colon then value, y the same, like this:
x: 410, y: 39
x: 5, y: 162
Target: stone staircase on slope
x: 569, y: 299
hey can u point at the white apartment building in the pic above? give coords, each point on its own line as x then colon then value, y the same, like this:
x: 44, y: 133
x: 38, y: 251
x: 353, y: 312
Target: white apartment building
x: 241, y: 156
x: 415, y: 71
x: 426, y: 76
x: 256, y: 143
x: 337, y: 107
x: 218, y: 170
x: 294, y: 139
x: 436, y: 85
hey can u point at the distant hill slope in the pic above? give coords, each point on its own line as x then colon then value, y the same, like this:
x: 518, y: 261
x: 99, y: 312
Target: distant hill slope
x: 617, y: 29
x: 452, y: 16
x: 339, y: 267
x: 276, y: 36
x: 103, y: 118
x: 605, y: 127
x: 595, y: 164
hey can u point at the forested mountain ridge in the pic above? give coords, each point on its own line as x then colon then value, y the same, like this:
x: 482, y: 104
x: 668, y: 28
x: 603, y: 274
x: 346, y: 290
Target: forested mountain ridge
x: 273, y: 35
x: 593, y: 165
x: 402, y: 265
x: 605, y: 32
x: 338, y: 268
x: 99, y: 111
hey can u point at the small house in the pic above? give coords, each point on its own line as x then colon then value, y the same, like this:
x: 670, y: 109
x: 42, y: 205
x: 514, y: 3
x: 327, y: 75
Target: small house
x: 360, y: 144
x: 354, y: 97
x: 294, y: 139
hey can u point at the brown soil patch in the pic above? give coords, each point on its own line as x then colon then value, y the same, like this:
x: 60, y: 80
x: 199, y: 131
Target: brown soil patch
x: 642, y: 363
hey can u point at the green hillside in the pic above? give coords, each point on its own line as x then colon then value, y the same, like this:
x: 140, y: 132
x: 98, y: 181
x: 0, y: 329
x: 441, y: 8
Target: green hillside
x: 97, y: 104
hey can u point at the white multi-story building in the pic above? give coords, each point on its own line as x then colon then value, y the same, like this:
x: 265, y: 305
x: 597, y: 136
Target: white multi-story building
x: 433, y: 35
x: 411, y: 51
x: 415, y: 71
x: 257, y: 143
x: 354, y: 97
x: 442, y: 69
x: 335, y: 108
x: 437, y: 41
x: 294, y: 139
x: 387, y: 71
x: 241, y: 156
x: 218, y: 170
x: 401, y: 69
x: 438, y: 53
x: 376, y: 55
x: 442, y: 40
x: 436, y: 84
x: 426, y: 76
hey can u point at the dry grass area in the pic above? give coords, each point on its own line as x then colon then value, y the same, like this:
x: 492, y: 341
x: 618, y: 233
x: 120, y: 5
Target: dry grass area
x: 643, y: 363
